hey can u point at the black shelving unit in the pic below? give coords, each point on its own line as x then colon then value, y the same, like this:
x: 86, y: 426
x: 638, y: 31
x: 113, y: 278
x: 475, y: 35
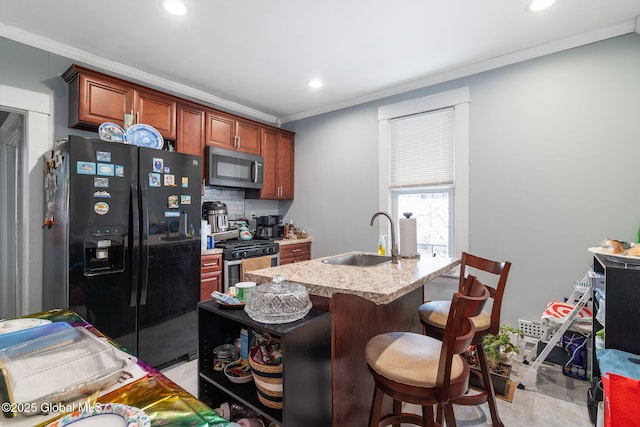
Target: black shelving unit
x: 306, y: 365
x: 622, y: 299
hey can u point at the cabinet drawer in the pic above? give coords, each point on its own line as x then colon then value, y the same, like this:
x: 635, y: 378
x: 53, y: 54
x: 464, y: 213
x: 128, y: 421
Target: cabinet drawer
x: 295, y: 253
x: 210, y: 263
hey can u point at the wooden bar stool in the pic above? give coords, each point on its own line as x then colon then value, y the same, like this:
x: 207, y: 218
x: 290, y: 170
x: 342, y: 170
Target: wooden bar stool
x: 422, y: 370
x: 433, y: 315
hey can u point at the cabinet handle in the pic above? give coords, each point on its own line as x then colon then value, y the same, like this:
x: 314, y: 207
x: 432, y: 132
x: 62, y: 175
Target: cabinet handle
x: 295, y: 250
x: 137, y: 116
x: 210, y: 264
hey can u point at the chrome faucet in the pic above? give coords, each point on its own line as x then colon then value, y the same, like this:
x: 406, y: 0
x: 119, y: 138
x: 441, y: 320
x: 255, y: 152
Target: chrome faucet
x: 395, y: 256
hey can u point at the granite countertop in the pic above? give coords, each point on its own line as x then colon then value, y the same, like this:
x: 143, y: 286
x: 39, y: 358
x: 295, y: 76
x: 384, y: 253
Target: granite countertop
x: 292, y: 241
x: 380, y: 284
x: 213, y: 251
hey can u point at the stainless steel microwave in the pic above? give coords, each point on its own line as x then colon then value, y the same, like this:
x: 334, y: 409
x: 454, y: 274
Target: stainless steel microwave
x: 228, y: 168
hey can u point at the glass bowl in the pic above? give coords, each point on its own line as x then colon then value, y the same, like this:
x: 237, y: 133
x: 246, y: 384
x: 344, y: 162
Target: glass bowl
x: 278, y: 302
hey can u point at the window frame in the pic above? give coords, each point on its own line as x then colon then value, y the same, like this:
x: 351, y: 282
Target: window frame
x: 439, y: 189
x: 459, y: 99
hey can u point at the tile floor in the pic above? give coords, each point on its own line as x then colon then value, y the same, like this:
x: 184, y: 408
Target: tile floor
x: 549, y: 400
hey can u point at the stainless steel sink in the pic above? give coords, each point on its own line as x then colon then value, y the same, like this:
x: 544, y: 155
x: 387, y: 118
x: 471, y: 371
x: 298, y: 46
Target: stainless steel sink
x: 358, y: 259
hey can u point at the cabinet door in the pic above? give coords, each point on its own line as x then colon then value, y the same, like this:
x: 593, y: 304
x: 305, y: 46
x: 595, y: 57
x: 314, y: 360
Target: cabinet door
x: 286, y: 157
x: 154, y: 109
x: 269, y: 151
x: 220, y: 130
x: 248, y: 137
x: 98, y: 100
x: 209, y: 283
x: 190, y: 130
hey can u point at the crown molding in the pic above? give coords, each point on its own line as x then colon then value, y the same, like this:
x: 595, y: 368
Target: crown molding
x: 130, y: 72
x: 475, y: 68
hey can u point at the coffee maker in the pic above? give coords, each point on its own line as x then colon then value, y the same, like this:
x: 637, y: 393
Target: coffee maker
x: 217, y: 216
x: 268, y: 227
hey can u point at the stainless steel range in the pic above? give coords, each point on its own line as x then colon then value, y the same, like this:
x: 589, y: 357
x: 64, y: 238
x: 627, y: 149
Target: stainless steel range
x: 234, y: 251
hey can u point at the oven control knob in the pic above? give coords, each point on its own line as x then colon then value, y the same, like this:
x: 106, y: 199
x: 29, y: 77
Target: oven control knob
x: 235, y: 255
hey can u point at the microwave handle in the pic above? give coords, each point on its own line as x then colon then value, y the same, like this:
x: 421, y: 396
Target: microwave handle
x: 256, y: 171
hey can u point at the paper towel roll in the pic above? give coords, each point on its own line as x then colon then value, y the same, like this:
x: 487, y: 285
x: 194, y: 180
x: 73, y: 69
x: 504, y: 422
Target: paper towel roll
x: 408, y: 238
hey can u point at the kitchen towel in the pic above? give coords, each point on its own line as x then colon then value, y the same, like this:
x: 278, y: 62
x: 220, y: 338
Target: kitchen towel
x: 251, y: 264
x: 408, y: 238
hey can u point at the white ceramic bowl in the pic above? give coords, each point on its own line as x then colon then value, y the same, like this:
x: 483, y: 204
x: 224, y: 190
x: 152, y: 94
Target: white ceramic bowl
x: 234, y: 379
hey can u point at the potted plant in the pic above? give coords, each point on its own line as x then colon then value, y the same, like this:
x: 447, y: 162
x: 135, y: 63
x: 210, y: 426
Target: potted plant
x: 498, y: 348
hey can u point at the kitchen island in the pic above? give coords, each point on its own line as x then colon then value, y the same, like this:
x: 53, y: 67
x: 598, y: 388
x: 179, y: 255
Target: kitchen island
x: 363, y: 302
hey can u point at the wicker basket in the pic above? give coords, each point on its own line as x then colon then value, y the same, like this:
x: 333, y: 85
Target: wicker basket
x: 268, y: 379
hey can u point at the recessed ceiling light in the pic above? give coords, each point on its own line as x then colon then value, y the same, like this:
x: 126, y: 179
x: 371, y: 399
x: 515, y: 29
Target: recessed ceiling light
x: 314, y: 83
x: 538, y: 5
x: 175, y: 7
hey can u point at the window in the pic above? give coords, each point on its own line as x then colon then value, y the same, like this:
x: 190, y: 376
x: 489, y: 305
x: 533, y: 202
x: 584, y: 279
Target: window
x: 424, y: 168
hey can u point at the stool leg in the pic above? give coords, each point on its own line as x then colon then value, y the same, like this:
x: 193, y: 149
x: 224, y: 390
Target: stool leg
x: 488, y: 386
x: 397, y: 410
x: 427, y: 416
x: 376, y: 407
x: 449, y: 415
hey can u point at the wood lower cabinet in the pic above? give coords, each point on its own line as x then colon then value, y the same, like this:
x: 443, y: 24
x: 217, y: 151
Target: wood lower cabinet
x: 95, y: 98
x: 306, y: 380
x: 295, y: 252
x: 278, y: 153
x: 210, y: 275
x: 232, y: 133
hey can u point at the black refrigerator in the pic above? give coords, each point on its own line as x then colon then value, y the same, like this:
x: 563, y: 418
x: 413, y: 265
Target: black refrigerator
x: 122, y: 244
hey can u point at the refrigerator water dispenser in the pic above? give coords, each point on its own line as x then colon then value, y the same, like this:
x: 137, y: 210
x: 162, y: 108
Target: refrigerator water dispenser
x: 104, y: 249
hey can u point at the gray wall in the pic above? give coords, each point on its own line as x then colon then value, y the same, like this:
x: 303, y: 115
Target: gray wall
x: 554, y: 152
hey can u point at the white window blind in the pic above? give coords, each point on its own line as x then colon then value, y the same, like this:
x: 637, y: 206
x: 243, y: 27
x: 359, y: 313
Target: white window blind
x: 422, y: 149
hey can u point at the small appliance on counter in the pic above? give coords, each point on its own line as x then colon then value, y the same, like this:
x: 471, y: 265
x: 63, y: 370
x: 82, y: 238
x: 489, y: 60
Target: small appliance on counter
x: 268, y: 227
x: 217, y: 215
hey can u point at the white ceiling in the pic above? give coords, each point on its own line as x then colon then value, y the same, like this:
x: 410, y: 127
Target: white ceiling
x: 255, y: 56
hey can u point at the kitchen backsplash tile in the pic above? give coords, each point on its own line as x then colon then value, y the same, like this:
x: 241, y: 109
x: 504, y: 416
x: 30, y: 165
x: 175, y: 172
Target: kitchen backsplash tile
x: 234, y: 199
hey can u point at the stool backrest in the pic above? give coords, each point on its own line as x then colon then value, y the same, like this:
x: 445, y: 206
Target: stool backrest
x: 469, y: 264
x: 459, y: 330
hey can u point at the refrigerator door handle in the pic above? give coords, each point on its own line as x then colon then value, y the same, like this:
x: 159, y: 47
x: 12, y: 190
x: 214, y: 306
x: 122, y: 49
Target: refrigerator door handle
x: 135, y: 228
x: 144, y: 270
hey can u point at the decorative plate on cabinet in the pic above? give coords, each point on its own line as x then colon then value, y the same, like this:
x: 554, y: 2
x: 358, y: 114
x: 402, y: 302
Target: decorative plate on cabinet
x: 112, y: 132
x: 145, y: 136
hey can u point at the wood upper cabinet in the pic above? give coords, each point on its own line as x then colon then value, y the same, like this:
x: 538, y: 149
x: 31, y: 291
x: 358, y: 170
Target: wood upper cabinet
x: 155, y: 109
x: 190, y: 133
x: 278, y: 152
x: 285, y: 165
x: 233, y: 133
x: 95, y: 98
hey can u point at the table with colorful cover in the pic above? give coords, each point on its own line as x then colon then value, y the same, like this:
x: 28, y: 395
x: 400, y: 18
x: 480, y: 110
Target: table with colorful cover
x: 164, y: 402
